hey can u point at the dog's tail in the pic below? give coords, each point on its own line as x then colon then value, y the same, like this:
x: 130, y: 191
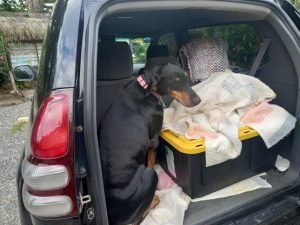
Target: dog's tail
x: 127, y: 205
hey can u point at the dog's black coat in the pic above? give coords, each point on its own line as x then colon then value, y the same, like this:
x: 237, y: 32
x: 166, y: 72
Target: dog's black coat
x: 129, y: 128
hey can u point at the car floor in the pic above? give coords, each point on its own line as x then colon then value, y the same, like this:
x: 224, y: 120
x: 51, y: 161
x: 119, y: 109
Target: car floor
x: 207, y: 212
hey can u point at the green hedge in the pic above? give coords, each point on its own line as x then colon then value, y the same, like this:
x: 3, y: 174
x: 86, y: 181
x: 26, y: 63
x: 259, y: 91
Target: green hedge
x: 4, y: 78
x: 12, y: 6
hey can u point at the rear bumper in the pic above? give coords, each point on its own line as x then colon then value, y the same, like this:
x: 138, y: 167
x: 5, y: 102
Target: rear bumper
x: 26, y: 218
x: 65, y: 221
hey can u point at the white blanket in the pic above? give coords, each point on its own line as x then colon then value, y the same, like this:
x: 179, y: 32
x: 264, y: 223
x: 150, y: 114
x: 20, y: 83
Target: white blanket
x: 174, y: 202
x: 170, y: 210
x: 172, y: 205
x: 229, y: 101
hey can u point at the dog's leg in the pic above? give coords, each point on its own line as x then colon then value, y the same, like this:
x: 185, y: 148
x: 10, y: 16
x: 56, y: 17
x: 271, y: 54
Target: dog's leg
x: 151, y: 158
x: 154, y: 203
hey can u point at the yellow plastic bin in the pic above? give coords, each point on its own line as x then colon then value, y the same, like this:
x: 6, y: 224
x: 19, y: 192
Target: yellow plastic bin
x: 184, y: 161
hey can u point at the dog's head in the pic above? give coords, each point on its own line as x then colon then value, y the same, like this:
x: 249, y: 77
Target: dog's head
x: 169, y: 79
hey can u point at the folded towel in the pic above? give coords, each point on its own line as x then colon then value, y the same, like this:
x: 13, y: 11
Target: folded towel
x: 228, y: 101
x: 272, y: 122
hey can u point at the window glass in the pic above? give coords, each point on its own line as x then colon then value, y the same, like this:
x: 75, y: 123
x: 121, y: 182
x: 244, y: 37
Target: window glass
x: 169, y: 40
x: 138, y: 48
x: 243, y: 42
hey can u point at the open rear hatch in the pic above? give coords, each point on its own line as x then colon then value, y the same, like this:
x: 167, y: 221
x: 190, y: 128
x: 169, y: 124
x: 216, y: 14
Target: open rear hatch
x: 278, y: 69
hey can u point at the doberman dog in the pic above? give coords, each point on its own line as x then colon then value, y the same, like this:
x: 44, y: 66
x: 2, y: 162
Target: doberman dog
x: 130, y: 127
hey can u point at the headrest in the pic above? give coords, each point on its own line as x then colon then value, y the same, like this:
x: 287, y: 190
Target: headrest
x: 114, y: 60
x: 160, y: 61
x: 203, y: 57
x: 154, y: 51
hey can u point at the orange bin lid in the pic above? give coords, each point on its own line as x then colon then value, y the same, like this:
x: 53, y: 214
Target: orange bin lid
x: 183, y: 145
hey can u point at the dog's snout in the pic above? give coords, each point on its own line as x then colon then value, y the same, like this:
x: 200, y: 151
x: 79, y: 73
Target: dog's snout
x: 187, y: 98
x: 195, y: 100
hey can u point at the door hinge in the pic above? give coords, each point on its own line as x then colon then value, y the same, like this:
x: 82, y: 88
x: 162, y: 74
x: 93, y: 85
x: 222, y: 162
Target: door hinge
x: 84, y: 199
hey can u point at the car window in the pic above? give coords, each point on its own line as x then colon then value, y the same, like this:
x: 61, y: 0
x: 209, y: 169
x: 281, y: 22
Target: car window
x: 243, y: 42
x: 138, y: 48
x: 169, y: 40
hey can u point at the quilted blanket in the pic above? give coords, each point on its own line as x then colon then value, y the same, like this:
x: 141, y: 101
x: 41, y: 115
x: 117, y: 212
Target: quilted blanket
x: 228, y: 101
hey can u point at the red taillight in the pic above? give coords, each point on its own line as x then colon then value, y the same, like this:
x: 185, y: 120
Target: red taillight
x: 49, y: 188
x: 50, y: 133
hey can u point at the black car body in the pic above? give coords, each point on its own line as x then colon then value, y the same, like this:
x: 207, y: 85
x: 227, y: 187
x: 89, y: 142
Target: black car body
x: 66, y: 90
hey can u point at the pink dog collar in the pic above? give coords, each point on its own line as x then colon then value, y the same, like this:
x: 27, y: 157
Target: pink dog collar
x: 141, y: 80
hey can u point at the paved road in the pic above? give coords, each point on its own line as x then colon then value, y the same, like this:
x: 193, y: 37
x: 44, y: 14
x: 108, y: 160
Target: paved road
x: 11, y: 141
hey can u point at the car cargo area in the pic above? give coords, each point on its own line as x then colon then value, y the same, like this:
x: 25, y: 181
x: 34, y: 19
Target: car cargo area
x: 244, y: 26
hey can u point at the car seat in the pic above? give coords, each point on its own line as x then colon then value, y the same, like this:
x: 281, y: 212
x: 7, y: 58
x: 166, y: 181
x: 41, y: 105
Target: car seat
x: 114, y: 71
x: 202, y: 57
x: 154, y: 51
x: 156, y: 55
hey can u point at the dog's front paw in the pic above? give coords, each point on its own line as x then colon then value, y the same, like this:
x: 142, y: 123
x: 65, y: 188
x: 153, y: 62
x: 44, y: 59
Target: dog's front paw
x: 154, y: 202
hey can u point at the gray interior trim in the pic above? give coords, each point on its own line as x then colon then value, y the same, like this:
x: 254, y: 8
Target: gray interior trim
x: 259, y: 12
x: 232, y: 11
x: 290, y: 43
x: 263, y: 48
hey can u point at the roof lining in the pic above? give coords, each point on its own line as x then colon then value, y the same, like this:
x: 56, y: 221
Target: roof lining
x: 259, y: 11
x: 137, y: 22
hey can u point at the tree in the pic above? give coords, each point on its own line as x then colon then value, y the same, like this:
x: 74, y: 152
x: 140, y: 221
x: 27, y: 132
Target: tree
x: 296, y: 3
x: 35, y: 6
x: 12, y: 6
x: 3, y: 64
x: 139, y: 49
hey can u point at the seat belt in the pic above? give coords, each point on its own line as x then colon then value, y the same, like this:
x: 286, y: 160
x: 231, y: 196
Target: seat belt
x: 262, y: 50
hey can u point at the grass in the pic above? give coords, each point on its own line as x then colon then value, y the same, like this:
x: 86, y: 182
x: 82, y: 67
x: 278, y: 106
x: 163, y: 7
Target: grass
x: 18, y: 127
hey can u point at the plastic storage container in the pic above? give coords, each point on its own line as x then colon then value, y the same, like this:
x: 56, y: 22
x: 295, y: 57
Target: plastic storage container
x: 184, y: 161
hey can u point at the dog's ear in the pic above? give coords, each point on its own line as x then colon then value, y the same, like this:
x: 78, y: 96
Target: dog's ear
x: 151, y: 74
x: 152, y: 77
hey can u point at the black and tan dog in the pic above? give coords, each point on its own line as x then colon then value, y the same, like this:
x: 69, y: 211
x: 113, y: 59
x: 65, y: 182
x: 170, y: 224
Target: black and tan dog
x: 129, y: 129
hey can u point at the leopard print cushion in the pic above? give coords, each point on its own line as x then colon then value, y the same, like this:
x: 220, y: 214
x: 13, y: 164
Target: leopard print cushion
x: 202, y: 57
